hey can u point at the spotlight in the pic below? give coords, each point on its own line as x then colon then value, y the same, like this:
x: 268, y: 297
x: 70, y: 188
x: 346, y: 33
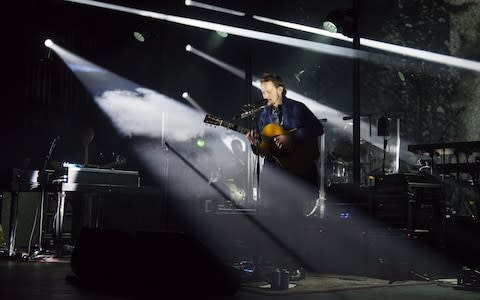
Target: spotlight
x: 330, y: 26
x: 222, y: 34
x: 339, y: 21
x: 332, y: 20
x: 188, y: 48
x: 188, y: 2
x: 48, y: 43
x: 185, y: 95
x: 200, y: 143
x: 138, y: 36
x: 141, y: 33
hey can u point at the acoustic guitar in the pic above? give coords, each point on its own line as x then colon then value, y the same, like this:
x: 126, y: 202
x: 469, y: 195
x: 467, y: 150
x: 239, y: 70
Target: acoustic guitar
x: 297, y: 159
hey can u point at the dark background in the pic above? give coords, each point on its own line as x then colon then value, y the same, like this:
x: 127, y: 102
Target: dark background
x: 43, y: 99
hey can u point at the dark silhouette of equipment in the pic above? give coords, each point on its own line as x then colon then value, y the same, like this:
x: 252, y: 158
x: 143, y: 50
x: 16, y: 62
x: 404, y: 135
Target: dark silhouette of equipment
x: 166, y: 262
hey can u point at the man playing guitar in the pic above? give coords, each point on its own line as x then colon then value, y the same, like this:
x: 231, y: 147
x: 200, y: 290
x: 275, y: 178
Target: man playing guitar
x: 293, y: 150
x: 300, y: 131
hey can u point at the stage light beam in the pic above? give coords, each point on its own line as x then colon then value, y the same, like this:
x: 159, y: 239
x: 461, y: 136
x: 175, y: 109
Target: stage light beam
x: 237, y: 31
x: 214, y: 8
x: 193, y: 103
x: 296, y: 42
x: 236, y: 71
x: 400, y: 50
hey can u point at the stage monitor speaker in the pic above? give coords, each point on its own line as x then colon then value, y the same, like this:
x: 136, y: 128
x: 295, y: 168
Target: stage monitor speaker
x: 160, y: 262
x: 27, y: 204
x: 383, y: 126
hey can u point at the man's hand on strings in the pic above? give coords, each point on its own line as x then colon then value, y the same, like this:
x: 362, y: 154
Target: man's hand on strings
x: 252, y: 137
x: 283, y: 141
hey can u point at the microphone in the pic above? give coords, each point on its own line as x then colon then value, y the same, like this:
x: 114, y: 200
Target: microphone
x: 249, y: 112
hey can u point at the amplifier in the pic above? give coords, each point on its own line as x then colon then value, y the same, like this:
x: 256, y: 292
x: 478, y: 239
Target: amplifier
x: 407, y: 200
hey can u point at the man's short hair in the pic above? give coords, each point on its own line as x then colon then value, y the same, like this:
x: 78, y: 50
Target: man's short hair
x: 275, y: 79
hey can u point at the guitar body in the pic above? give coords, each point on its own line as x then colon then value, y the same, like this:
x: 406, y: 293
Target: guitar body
x: 297, y: 160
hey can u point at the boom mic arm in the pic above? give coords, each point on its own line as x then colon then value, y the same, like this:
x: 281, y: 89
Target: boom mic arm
x: 249, y: 112
x: 251, y: 109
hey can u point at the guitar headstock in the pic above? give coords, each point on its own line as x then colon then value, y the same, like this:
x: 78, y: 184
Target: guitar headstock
x: 212, y: 120
x: 216, y: 121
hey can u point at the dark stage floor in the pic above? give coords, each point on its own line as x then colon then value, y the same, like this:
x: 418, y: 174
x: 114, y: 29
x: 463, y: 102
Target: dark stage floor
x: 48, y: 279
x: 350, y: 258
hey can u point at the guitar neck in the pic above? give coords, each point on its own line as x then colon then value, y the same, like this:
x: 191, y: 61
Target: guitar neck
x: 234, y: 127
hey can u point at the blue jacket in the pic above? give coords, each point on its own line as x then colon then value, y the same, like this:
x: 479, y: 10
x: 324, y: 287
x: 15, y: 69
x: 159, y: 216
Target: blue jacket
x: 294, y: 115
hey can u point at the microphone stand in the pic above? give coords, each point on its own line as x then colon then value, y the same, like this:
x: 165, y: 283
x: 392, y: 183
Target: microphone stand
x: 257, y: 260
